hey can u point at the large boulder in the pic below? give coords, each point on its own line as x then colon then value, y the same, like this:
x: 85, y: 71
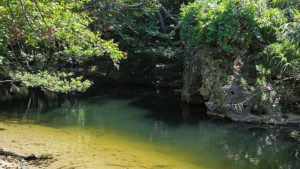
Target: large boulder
x: 203, y: 83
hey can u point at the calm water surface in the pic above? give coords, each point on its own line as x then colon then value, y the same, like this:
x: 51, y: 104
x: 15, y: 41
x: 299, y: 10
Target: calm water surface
x: 149, y: 120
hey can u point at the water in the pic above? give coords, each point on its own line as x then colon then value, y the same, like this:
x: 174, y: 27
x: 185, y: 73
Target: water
x: 130, y: 127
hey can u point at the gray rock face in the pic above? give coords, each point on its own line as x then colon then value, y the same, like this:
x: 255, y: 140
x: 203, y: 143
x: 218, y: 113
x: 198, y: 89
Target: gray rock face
x: 231, y: 99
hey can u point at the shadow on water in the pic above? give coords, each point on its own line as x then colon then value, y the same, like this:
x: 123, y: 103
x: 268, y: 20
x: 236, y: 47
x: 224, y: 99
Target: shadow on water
x: 29, y: 103
x: 162, y: 104
x: 170, y: 110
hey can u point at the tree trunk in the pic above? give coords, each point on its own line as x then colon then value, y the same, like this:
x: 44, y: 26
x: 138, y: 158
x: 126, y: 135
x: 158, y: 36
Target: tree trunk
x: 162, y: 23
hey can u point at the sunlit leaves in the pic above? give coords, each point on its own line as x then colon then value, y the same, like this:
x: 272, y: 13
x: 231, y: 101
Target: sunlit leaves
x: 230, y: 24
x: 55, y: 82
x: 266, y: 34
x: 38, y: 35
x: 254, y: 26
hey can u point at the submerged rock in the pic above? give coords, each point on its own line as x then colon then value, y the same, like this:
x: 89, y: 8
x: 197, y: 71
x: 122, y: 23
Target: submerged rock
x: 204, y: 83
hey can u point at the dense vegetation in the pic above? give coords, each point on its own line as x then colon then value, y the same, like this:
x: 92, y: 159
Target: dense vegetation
x: 46, y: 44
x: 265, y: 34
x: 52, y: 49
x: 256, y: 27
x: 42, y: 42
x: 147, y: 31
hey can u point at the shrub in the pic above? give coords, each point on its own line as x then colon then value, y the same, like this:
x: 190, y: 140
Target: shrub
x: 230, y: 24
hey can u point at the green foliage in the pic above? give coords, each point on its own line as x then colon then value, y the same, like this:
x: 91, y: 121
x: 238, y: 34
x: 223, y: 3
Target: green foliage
x: 296, y: 135
x: 230, y: 24
x: 136, y: 26
x: 283, y: 56
x: 54, y: 82
x: 224, y: 78
x: 285, y: 4
x: 265, y: 32
x: 36, y: 35
x: 268, y: 31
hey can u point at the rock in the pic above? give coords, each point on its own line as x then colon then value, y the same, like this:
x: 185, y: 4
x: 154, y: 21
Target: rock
x: 7, y: 162
x: 202, y: 83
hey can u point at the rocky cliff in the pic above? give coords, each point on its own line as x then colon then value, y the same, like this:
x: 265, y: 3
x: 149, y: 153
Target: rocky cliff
x: 208, y: 79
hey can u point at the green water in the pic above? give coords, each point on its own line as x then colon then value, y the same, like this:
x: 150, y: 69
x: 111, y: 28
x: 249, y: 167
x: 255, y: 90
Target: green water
x: 158, y: 119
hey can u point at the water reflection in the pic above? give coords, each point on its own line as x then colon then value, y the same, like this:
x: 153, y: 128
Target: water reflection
x: 160, y: 118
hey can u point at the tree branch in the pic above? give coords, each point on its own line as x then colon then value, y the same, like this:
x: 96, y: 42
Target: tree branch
x: 9, y: 81
x: 123, y: 4
x: 166, y: 11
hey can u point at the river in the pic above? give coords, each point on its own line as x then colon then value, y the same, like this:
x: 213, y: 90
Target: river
x: 149, y: 128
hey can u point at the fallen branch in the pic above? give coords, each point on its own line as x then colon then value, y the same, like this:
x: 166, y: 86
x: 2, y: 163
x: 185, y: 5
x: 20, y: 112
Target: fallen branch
x: 17, y: 155
x: 240, y: 106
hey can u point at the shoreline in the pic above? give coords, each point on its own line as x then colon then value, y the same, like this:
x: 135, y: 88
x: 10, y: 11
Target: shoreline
x: 8, y: 162
x: 85, y: 148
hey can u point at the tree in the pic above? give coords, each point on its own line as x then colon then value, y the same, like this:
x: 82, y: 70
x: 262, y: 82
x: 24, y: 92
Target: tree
x: 43, y: 42
x: 265, y: 32
x: 146, y: 29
